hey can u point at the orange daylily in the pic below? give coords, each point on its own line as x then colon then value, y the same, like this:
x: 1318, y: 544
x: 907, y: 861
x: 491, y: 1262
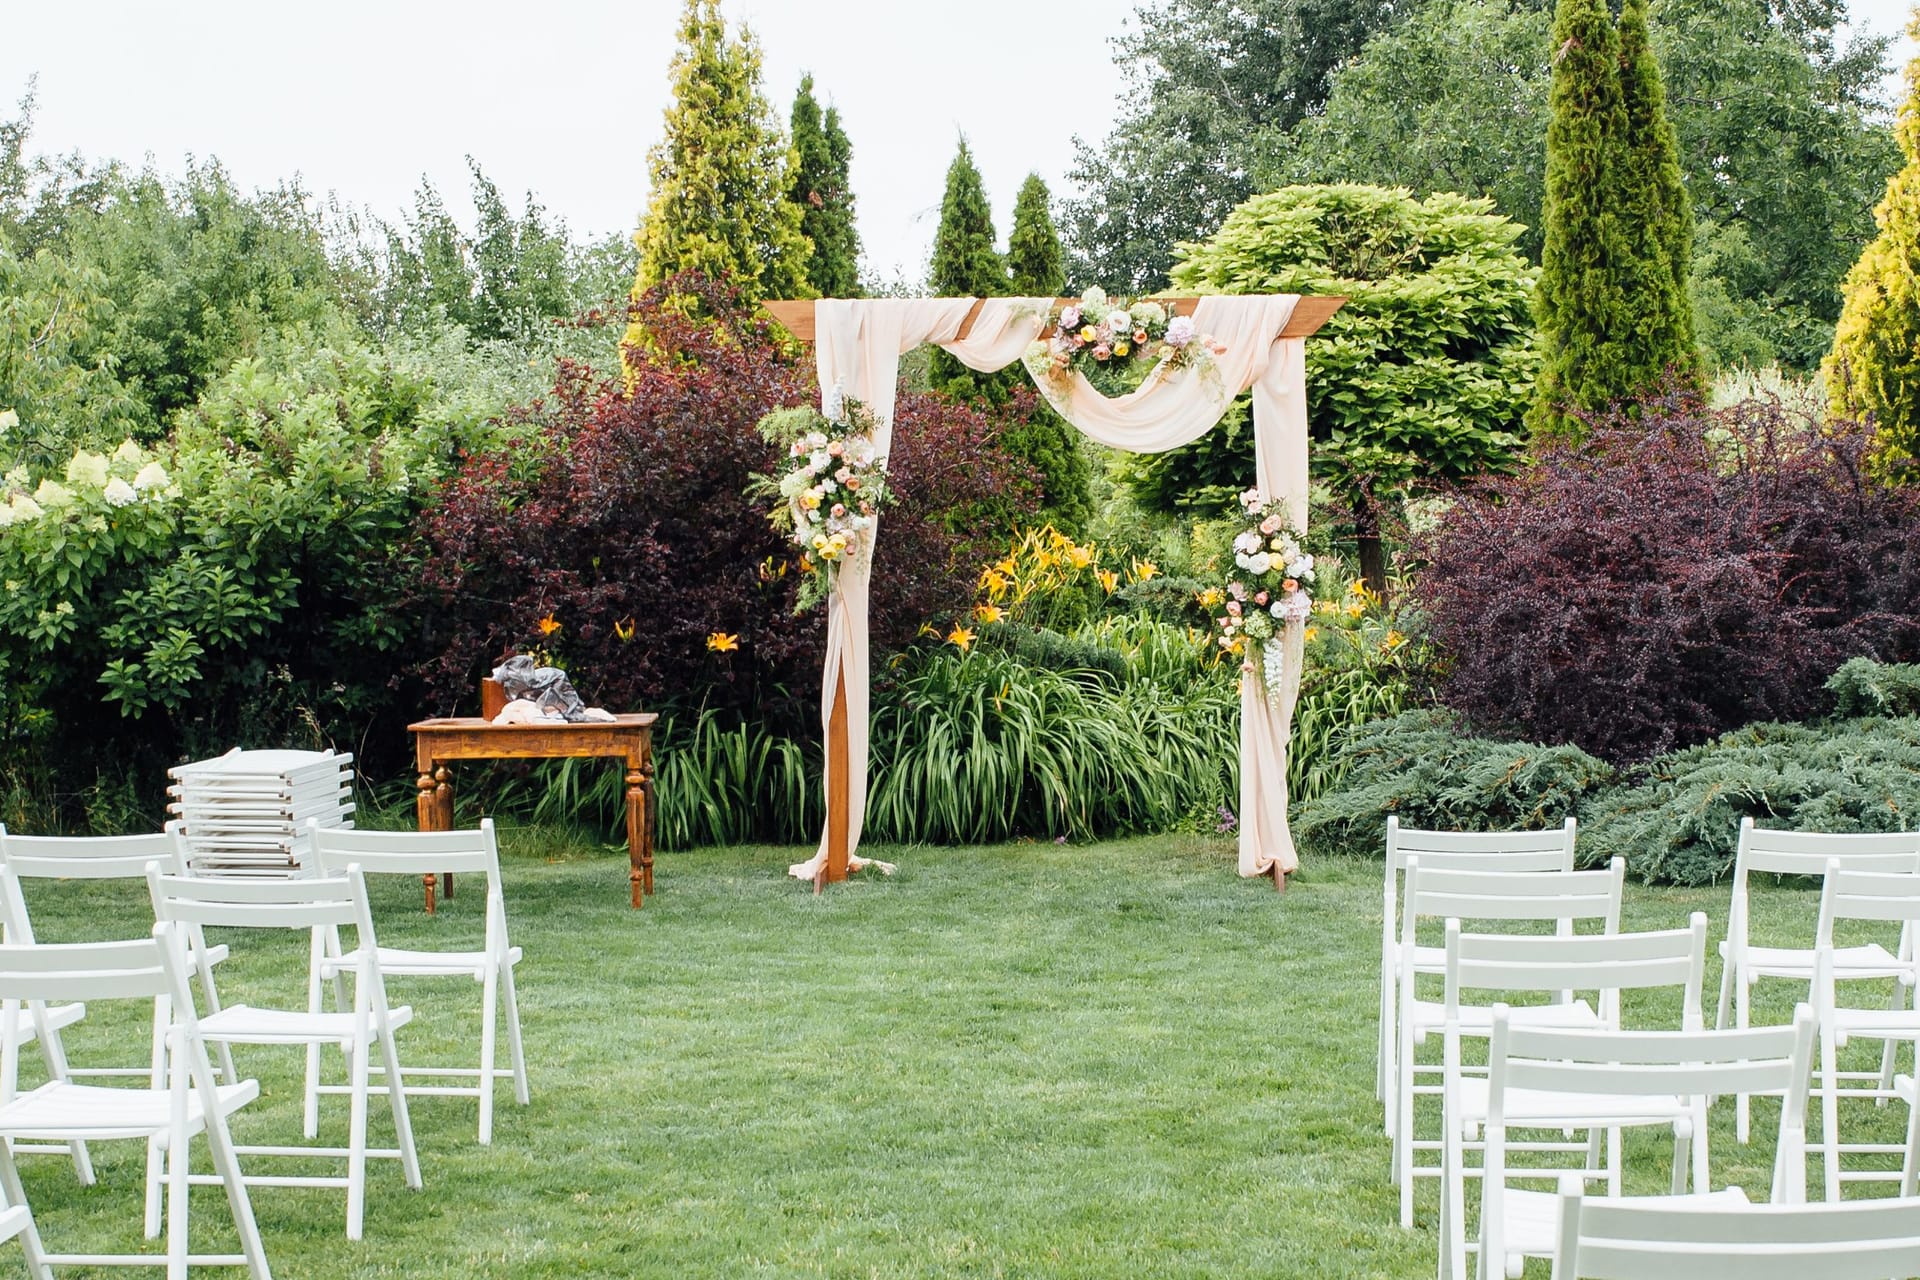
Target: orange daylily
x: 548, y: 625
x: 723, y: 642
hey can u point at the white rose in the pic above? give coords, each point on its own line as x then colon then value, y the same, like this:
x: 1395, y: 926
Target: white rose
x: 820, y: 459
x: 1278, y: 608
x: 1259, y: 562
x: 1243, y: 560
x: 119, y: 493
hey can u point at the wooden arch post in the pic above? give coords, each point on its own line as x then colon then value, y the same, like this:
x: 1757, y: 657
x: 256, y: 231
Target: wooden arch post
x: 797, y: 316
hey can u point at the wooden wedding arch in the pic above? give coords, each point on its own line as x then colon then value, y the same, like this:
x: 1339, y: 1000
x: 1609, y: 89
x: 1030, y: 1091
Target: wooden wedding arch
x: 800, y: 317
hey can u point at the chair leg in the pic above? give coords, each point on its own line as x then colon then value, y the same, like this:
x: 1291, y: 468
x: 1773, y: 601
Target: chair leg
x: 357, y: 1138
x: 177, y: 1163
x: 310, y: 1115
x: 16, y: 1194
x: 489, y: 1020
x: 514, y: 1049
x: 1887, y: 1054
x: 155, y: 1155
x: 402, y: 1118
x: 1909, y: 1174
x: 1743, y: 1104
x: 1403, y: 1126
x: 1830, y: 1114
x: 227, y: 1164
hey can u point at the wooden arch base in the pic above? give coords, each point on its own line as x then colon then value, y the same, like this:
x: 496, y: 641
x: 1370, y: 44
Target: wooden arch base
x: 839, y: 802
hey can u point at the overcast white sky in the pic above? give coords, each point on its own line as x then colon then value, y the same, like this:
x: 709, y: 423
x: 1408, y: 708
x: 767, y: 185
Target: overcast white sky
x: 563, y: 98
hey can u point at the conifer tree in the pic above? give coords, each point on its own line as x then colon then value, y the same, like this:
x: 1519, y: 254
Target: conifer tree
x: 1578, y: 303
x: 719, y: 175
x: 821, y: 192
x: 1035, y: 260
x: 1656, y: 221
x: 1874, y: 367
x: 966, y: 265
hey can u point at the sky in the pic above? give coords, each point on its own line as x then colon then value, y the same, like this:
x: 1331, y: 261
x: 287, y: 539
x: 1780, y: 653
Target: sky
x: 364, y: 98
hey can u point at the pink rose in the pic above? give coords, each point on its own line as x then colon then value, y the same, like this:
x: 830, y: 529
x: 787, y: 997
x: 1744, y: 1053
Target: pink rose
x: 1259, y: 597
x: 1237, y: 591
x: 843, y: 474
x: 840, y: 510
x: 1270, y: 525
x: 1102, y: 352
x: 836, y: 448
x: 1247, y: 667
x: 1233, y: 607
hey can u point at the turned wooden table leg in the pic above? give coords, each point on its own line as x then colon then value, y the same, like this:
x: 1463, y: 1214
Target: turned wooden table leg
x: 443, y: 800
x: 638, y: 872
x: 426, y: 813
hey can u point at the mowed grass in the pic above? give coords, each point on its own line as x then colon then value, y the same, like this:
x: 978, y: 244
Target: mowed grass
x: 1116, y: 1060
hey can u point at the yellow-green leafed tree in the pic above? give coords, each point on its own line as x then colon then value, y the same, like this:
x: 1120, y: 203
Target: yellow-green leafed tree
x: 1874, y: 366
x: 719, y: 176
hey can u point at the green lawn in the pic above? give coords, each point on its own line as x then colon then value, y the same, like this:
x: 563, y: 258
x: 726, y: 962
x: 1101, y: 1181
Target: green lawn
x: 1028, y: 1060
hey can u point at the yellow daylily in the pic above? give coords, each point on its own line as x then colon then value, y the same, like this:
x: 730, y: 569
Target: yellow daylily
x: 1080, y: 557
x: 723, y: 642
x: 623, y: 629
x: 1109, y: 580
x: 1144, y: 569
x: 989, y: 612
x: 1310, y: 633
x: 960, y: 638
x: 1212, y: 597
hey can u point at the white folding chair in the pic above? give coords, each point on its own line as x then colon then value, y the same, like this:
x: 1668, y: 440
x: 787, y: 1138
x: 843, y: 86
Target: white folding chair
x: 1547, y: 1078
x: 1806, y: 853
x: 321, y: 905
x: 1550, y: 850
x: 466, y: 853
x: 1886, y: 897
x: 1513, y: 898
x: 1606, y: 965
x: 55, y: 858
x: 181, y: 1099
x: 1654, y: 1239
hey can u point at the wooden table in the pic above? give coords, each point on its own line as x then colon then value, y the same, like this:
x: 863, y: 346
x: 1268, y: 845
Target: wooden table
x: 628, y: 738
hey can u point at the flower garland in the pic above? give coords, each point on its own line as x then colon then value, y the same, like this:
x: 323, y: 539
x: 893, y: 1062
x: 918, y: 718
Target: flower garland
x: 1270, y: 586
x: 1101, y: 335
x: 834, y: 488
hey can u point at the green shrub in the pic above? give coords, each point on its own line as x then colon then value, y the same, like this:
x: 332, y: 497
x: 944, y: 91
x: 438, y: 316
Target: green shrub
x: 1041, y: 647
x: 1863, y: 687
x: 1680, y: 819
x: 1424, y: 767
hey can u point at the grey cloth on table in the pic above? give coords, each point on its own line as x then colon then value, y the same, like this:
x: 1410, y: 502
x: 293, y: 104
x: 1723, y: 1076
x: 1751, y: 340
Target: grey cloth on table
x: 546, y: 687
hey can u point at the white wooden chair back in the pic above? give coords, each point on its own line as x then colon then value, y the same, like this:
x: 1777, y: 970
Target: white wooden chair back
x: 316, y: 902
x: 1604, y: 963
x: 1687, y: 1064
x: 1602, y: 1239
x: 418, y: 853
x: 1807, y: 853
x: 1559, y: 897
x: 87, y: 857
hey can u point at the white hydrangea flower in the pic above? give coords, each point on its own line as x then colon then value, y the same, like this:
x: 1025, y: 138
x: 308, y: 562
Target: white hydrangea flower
x: 51, y: 493
x: 8, y: 420
x: 17, y: 478
x: 128, y: 452
x: 119, y: 493
x: 87, y: 469
x: 151, y: 476
x: 25, y: 508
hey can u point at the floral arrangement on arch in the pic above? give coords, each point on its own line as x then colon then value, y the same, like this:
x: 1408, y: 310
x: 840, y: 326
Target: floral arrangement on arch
x: 1100, y: 335
x: 1271, y: 585
x: 833, y: 490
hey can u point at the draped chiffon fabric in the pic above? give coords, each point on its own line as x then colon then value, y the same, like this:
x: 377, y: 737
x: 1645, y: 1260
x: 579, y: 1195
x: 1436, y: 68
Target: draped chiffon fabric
x: 858, y: 345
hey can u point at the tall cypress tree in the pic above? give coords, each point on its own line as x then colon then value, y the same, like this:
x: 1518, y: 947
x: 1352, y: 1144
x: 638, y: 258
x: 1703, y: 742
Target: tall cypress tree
x: 1037, y: 267
x: 1578, y: 302
x: 719, y: 175
x: 1035, y: 260
x: 1655, y: 218
x: 1874, y: 367
x: 821, y: 192
x: 966, y: 265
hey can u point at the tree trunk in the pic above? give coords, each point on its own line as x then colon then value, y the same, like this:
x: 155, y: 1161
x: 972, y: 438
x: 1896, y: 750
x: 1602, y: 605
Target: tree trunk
x: 1373, y: 553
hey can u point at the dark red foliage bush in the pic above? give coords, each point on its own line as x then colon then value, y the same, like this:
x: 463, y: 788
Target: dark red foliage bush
x: 625, y: 509
x: 1679, y: 574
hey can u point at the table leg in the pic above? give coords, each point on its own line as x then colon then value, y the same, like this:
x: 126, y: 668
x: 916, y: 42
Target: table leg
x: 648, y: 829
x: 427, y: 817
x: 443, y: 797
x: 638, y: 872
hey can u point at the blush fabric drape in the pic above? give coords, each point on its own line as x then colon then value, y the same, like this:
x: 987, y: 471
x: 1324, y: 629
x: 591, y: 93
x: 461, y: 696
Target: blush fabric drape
x: 858, y: 345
